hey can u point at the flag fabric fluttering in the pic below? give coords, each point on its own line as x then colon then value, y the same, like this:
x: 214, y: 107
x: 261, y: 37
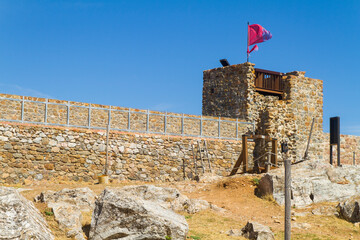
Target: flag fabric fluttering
x: 257, y: 34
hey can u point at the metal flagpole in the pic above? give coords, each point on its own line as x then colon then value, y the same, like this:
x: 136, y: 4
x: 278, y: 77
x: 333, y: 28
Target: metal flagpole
x: 247, y: 42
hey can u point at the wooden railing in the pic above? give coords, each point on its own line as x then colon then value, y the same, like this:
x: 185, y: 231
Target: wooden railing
x: 269, y: 81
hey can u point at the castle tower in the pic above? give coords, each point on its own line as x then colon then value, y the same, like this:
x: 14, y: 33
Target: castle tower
x: 282, y: 106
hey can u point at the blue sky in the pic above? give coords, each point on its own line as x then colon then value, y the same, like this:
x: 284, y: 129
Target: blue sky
x: 151, y: 54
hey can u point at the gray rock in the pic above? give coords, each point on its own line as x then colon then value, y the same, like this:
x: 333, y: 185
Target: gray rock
x: 256, y: 231
x: 19, y: 219
x: 196, y: 205
x: 119, y: 213
x: 69, y: 218
x: 4, y: 139
x: 301, y: 225
x: 313, y: 182
x: 350, y: 210
x: 169, y: 198
x: 234, y: 233
x: 8, y: 146
x: 60, y: 139
x: 84, y: 198
x: 67, y: 206
x: 324, y: 211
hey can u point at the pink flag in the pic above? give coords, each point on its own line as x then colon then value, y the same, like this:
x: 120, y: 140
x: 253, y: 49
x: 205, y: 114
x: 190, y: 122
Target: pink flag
x: 257, y: 34
x: 255, y: 48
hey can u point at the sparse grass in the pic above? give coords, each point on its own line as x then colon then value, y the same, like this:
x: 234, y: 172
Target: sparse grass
x: 255, y: 181
x: 50, y: 219
x: 208, y: 225
x: 195, y: 237
x: 48, y: 212
x: 323, y: 228
x: 236, y: 195
x: 302, y: 236
x: 269, y: 198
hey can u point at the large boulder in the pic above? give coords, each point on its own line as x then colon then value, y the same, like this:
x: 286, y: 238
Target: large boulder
x: 69, y: 218
x: 84, y: 198
x: 129, y: 214
x: 67, y: 205
x: 313, y: 182
x: 256, y: 231
x: 19, y: 219
x: 350, y: 210
x: 169, y: 198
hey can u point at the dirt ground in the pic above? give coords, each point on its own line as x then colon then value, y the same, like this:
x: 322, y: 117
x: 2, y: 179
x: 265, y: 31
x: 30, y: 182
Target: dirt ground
x: 236, y: 195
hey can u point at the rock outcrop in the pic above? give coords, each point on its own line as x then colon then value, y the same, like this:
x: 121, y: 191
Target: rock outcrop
x: 313, y: 182
x: 84, y: 198
x: 350, y: 210
x: 170, y: 198
x: 67, y: 206
x: 137, y: 212
x: 256, y: 231
x: 69, y: 218
x: 19, y: 219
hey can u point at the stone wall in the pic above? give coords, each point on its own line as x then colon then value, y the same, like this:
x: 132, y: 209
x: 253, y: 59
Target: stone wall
x: 87, y: 115
x: 348, y: 146
x: 230, y: 91
x: 55, y: 139
x: 226, y: 91
x: 36, y: 152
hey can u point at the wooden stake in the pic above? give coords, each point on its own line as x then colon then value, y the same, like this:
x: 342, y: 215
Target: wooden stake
x: 245, y: 153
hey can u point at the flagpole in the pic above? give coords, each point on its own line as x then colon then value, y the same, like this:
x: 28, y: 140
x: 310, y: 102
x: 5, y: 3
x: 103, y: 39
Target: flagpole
x: 247, y: 43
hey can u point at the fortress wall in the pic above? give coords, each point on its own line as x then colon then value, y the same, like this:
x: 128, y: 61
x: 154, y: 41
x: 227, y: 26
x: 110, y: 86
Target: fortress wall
x: 87, y: 115
x: 67, y: 144
x: 348, y: 146
x: 36, y: 152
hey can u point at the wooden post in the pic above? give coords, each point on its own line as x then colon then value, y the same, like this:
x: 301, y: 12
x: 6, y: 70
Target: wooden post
x: 184, y: 174
x: 274, y: 150
x: 194, y: 158
x: 200, y: 152
x: 237, y: 165
x: 245, y: 153
x: 268, y: 161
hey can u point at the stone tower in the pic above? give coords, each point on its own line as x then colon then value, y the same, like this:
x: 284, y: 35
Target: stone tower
x: 281, y: 105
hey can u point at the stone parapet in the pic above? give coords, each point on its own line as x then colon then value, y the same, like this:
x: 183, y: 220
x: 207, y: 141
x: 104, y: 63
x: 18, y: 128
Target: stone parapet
x: 87, y: 115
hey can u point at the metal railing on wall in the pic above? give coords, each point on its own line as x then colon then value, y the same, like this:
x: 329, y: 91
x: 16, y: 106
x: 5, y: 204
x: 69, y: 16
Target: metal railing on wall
x: 130, y: 113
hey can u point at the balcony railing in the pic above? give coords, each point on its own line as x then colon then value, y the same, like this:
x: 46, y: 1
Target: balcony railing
x: 269, y: 82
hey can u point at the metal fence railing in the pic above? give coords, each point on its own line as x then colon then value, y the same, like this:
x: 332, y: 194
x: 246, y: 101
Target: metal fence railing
x: 246, y: 126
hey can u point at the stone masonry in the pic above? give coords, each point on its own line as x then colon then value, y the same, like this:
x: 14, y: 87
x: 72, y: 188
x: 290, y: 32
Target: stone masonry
x: 64, y: 140
x: 54, y: 139
x: 230, y: 92
x: 36, y: 152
